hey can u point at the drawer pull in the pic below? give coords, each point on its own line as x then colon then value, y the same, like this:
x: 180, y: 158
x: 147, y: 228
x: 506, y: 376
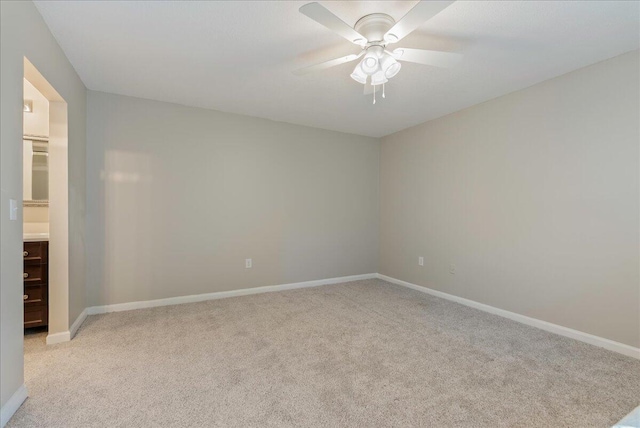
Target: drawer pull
x: 25, y: 297
x: 25, y: 275
x: 25, y: 254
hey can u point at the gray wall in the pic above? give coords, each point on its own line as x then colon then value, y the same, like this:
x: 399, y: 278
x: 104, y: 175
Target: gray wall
x: 533, y: 196
x: 179, y: 197
x: 24, y: 34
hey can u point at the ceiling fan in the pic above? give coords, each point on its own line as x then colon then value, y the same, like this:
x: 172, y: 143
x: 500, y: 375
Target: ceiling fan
x: 374, y: 33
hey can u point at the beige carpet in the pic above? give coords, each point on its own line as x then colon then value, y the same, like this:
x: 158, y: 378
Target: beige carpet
x: 360, y: 354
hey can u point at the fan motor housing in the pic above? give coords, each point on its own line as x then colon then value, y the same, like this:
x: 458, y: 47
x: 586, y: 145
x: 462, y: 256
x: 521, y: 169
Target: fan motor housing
x: 374, y: 26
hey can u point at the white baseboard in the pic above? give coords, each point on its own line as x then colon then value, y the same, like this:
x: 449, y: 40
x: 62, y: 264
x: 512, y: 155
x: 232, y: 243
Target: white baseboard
x: 93, y: 310
x: 631, y: 420
x: 66, y: 336
x: 544, y: 325
x: 77, y: 323
x: 13, y: 405
x: 63, y: 336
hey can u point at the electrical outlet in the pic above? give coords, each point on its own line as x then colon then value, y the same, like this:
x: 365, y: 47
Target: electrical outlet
x: 248, y: 263
x: 452, y: 269
x: 421, y: 261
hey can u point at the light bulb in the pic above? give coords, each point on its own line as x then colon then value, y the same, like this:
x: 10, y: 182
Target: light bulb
x: 389, y: 66
x: 358, y: 75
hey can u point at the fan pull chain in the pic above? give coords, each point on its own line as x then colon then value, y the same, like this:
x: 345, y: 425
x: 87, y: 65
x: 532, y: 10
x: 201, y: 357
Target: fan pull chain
x: 374, y: 94
x: 383, y: 90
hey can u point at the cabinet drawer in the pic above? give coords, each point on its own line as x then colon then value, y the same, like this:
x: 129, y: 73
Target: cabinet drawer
x: 34, y: 274
x: 35, y: 316
x: 35, y: 252
x: 35, y: 295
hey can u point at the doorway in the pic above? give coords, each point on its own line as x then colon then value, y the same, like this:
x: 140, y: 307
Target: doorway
x: 45, y: 207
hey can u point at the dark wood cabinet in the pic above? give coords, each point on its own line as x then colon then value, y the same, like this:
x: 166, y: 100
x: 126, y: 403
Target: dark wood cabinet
x: 36, y: 284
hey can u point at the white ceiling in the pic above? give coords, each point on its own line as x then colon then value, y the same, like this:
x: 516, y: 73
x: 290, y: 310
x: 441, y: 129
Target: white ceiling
x: 238, y: 56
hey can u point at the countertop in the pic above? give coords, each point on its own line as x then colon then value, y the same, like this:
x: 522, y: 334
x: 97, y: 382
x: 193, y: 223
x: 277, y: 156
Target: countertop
x: 35, y: 237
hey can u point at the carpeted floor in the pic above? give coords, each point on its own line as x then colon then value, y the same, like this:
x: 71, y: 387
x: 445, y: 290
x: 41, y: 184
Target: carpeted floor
x: 360, y: 354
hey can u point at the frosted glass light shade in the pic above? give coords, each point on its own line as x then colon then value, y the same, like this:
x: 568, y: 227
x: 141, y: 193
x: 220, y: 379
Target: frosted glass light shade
x: 371, y: 62
x: 378, y: 78
x: 358, y: 75
x: 389, y: 66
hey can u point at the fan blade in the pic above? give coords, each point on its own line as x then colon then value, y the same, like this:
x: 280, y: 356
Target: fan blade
x: 321, y: 15
x: 327, y: 64
x: 425, y: 57
x: 417, y: 16
x: 369, y: 89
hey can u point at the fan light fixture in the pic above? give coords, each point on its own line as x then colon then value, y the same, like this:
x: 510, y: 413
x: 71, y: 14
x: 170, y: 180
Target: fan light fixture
x: 378, y: 64
x: 359, y: 76
x: 370, y: 63
x: 373, y: 33
x: 378, y: 78
x: 389, y: 65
